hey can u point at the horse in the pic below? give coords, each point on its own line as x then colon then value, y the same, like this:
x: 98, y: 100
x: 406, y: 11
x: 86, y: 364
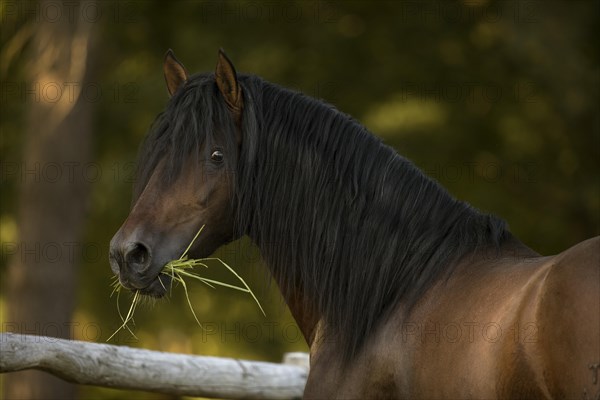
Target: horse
x: 400, y: 290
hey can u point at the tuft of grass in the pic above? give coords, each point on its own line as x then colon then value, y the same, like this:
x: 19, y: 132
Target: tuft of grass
x: 179, y: 271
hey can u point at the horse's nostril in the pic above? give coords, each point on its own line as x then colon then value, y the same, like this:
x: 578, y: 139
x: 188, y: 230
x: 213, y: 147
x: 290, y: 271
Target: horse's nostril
x: 137, y: 255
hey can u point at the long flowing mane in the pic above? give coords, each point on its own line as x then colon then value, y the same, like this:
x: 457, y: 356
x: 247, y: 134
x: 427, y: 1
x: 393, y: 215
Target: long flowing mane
x: 337, y: 214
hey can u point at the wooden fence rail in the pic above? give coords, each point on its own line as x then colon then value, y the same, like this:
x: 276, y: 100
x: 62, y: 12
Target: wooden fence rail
x: 128, y: 368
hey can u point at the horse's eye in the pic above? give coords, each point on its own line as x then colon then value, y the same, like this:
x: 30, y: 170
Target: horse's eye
x: 217, y: 156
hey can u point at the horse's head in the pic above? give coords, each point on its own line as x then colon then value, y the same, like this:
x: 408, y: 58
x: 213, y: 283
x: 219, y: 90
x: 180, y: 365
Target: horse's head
x: 185, y: 178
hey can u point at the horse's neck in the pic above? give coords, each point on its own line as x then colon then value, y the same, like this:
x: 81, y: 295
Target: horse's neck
x: 297, y: 303
x: 307, y: 322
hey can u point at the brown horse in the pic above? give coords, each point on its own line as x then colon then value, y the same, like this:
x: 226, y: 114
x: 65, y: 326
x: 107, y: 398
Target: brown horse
x: 400, y: 290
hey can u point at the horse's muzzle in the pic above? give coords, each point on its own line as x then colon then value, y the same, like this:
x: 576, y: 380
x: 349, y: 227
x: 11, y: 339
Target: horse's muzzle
x: 132, y: 261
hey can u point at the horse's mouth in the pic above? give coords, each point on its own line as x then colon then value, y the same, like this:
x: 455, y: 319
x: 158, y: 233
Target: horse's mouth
x: 156, y: 289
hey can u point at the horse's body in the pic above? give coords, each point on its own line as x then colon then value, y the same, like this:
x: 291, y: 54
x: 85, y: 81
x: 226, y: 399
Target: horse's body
x: 517, y: 326
x: 400, y: 290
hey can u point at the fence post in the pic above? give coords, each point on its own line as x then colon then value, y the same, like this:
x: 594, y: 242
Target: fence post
x: 298, y: 359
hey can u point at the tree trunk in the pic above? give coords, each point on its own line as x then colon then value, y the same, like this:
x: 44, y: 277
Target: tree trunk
x: 53, y: 191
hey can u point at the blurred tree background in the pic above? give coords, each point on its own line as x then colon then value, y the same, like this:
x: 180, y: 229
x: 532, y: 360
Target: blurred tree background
x: 497, y: 100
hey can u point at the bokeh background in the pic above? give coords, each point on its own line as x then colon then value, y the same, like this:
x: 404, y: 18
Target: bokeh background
x: 497, y: 100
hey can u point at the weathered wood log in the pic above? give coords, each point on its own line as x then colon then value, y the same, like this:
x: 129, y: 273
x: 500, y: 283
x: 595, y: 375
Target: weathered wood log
x: 129, y: 368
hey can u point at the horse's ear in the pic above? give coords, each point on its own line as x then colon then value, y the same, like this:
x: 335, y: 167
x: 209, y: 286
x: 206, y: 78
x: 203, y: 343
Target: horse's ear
x: 228, y: 85
x: 175, y: 73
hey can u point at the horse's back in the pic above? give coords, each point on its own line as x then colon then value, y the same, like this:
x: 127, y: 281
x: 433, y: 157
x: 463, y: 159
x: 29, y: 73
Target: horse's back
x: 568, y: 320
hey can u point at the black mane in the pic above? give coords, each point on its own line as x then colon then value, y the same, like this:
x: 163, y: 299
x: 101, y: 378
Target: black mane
x: 335, y: 212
